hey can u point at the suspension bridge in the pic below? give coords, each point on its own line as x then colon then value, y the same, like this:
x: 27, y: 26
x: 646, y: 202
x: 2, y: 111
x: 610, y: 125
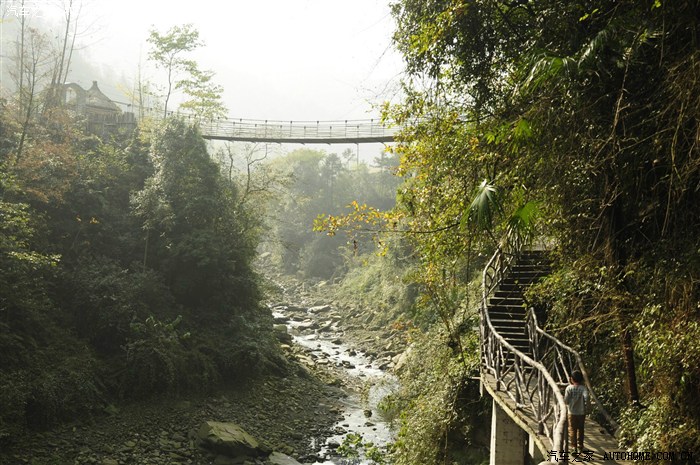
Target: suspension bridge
x: 298, y: 132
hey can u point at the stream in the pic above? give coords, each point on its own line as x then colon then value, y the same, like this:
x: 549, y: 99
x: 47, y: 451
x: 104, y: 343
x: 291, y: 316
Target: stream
x: 364, y: 382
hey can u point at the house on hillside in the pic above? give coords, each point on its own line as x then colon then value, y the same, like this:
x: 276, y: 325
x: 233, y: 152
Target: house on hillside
x: 102, y: 116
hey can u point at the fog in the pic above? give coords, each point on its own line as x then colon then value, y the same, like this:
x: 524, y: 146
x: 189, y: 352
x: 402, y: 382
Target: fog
x: 275, y: 59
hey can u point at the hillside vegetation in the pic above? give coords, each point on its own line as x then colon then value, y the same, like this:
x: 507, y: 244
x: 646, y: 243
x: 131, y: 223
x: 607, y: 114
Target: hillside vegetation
x: 125, y: 272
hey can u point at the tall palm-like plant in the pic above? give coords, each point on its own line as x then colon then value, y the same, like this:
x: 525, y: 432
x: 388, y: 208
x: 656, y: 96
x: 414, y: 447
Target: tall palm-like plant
x: 487, y: 208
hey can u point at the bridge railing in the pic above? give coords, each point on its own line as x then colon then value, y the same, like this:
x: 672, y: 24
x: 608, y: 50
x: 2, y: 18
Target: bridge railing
x: 243, y: 129
x: 526, y: 381
x: 560, y: 360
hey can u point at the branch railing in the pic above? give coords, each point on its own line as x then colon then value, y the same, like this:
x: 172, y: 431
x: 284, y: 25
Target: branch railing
x: 526, y: 381
x: 561, y: 360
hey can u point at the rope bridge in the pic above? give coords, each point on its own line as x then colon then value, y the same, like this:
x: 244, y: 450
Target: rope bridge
x: 298, y: 132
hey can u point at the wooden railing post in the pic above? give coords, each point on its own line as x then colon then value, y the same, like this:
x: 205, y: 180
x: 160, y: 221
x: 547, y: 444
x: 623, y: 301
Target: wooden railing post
x: 507, y: 364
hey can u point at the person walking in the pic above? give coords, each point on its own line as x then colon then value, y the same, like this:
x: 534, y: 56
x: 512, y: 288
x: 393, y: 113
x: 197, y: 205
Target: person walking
x: 577, y: 402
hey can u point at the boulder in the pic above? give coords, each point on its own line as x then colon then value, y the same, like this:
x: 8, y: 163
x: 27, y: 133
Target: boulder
x: 278, y: 458
x: 401, y: 359
x: 228, y: 439
x: 319, y: 309
x: 307, y: 324
x: 281, y: 334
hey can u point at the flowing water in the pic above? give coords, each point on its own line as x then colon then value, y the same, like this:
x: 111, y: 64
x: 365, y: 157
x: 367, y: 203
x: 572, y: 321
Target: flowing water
x: 361, y: 414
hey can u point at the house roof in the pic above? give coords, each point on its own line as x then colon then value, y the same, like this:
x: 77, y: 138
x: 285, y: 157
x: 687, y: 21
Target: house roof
x: 96, y: 98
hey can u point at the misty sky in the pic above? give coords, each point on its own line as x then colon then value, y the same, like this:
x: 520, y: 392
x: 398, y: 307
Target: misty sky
x: 276, y: 59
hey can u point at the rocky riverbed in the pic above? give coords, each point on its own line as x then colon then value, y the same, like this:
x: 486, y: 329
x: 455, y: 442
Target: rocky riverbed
x: 337, y: 379
x: 283, y: 413
x: 315, y: 331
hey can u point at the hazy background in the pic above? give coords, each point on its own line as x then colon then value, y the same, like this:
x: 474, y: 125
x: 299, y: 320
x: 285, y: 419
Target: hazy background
x: 276, y: 59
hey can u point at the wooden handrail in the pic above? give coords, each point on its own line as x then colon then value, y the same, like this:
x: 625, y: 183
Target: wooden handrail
x: 534, y: 388
x: 535, y: 331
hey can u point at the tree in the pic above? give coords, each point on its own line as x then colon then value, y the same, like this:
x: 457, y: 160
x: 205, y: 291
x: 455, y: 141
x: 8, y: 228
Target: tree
x: 592, y: 111
x: 34, y: 59
x: 196, y: 235
x: 168, y: 52
x: 64, y: 55
x: 204, y: 96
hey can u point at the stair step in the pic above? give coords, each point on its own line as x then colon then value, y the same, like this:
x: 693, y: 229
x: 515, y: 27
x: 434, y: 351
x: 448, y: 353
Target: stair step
x: 515, y: 336
x: 513, y: 287
x: 508, y: 301
x: 531, y: 263
x: 528, y: 266
x: 508, y: 294
x: 529, y: 255
x: 506, y: 319
x: 509, y: 320
x: 520, y: 280
x: 513, y: 328
x: 534, y: 262
x: 508, y: 308
x: 529, y: 272
x: 518, y: 342
x: 520, y: 319
x: 510, y: 356
x: 521, y: 347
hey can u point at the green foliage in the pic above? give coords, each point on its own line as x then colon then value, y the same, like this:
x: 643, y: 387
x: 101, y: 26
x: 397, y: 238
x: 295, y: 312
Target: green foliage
x: 380, y: 285
x: 102, y: 247
x: 193, y: 229
x: 167, y: 50
x: 589, y: 113
x: 63, y: 391
x: 159, y: 359
x: 107, y: 298
x: 484, y: 206
x: 14, y: 390
x: 319, y: 183
x: 355, y: 447
x: 442, y: 412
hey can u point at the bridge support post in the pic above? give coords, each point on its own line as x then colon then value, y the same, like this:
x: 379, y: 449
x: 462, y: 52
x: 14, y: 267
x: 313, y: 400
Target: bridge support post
x: 508, y: 440
x: 533, y: 450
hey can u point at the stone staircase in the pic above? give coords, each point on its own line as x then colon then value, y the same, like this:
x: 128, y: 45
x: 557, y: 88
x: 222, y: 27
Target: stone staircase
x: 507, y: 308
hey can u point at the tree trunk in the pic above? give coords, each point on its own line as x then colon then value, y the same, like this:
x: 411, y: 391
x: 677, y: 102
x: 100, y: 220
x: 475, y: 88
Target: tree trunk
x: 145, y: 249
x: 630, y: 368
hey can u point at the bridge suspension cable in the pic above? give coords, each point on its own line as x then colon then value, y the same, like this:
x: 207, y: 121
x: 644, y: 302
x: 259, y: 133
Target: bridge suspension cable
x: 302, y: 132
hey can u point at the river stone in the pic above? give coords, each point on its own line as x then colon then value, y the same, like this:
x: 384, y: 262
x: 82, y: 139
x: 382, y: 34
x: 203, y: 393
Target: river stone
x: 319, y: 309
x: 228, y: 439
x: 278, y: 458
x: 281, y: 333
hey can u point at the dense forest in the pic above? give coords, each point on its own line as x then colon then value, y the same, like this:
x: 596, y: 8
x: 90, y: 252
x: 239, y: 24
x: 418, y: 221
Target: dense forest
x: 576, y: 124
x: 126, y: 272
x: 127, y: 262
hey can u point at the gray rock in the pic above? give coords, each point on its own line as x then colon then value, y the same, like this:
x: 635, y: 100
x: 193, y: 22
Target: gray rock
x: 223, y: 460
x: 228, y: 439
x: 319, y: 309
x: 401, y: 359
x: 281, y: 334
x: 278, y: 458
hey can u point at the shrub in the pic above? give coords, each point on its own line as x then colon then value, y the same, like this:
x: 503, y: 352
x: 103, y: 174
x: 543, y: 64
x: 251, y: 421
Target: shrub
x: 159, y: 359
x: 64, y: 392
x: 442, y: 413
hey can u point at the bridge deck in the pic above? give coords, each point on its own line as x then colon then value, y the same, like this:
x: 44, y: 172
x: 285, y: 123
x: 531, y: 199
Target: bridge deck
x: 298, y: 132
x: 596, y: 439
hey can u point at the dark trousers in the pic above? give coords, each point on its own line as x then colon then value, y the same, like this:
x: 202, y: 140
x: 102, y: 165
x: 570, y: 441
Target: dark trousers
x: 576, y: 424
